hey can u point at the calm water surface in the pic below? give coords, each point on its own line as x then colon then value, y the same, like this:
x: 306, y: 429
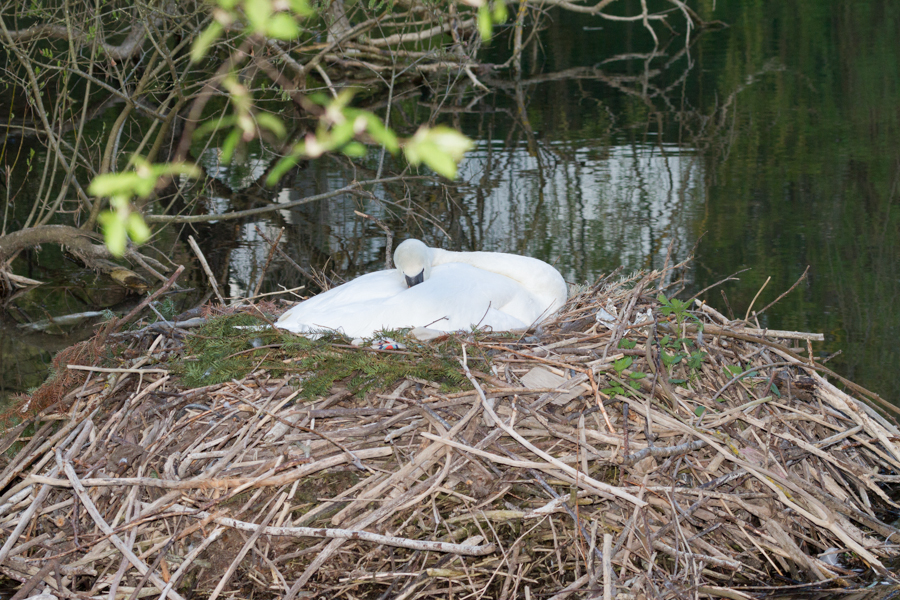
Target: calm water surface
x: 773, y: 141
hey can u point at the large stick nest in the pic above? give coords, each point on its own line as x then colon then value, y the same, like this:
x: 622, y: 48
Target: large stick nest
x: 633, y: 442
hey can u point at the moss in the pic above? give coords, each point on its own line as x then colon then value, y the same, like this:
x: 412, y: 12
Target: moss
x: 230, y: 347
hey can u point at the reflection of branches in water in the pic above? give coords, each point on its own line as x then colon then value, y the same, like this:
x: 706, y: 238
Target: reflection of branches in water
x: 475, y: 214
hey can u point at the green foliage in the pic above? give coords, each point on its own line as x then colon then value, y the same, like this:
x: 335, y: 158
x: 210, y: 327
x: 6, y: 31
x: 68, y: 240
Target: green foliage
x: 673, y: 306
x: 222, y: 351
x: 364, y: 370
x: 627, y: 344
x: 622, y: 364
x: 167, y: 308
x: 672, y: 352
x: 695, y: 359
x: 733, y: 370
x: 441, y: 148
x: 488, y: 16
x: 615, y: 389
x: 121, y: 222
x: 341, y: 128
x: 265, y: 18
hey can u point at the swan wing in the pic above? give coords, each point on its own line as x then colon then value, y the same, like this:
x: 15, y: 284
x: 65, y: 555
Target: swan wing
x: 456, y: 296
x: 344, y: 307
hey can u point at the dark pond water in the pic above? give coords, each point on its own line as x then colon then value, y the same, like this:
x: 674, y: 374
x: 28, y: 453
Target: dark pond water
x: 773, y: 141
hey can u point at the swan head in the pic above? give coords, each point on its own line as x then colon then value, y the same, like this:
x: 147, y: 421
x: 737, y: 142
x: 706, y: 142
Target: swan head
x: 413, y: 259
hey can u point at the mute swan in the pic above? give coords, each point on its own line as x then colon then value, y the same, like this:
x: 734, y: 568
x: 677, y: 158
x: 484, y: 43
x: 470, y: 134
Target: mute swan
x: 437, y: 289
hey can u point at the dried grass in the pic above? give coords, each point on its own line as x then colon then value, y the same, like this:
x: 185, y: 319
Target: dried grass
x: 587, y: 461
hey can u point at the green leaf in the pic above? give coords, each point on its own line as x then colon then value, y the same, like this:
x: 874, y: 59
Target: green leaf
x: 637, y: 375
x: 272, y: 123
x: 612, y: 391
x: 485, y: 26
x: 623, y: 363
x: 734, y: 370
x: 283, y: 166
x: 214, y: 126
x: 113, y: 232
x: 301, y: 8
x: 115, y: 184
x: 354, y: 150
x: 230, y: 144
x: 699, y: 411
x: 775, y: 390
x: 376, y: 129
x: 627, y: 344
x: 140, y: 182
x: 282, y: 26
x: 441, y: 148
x: 258, y: 13
x: 205, y: 40
x: 500, y: 13
x: 678, y: 381
x: 696, y: 359
x: 671, y: 359
x: 340, y: 134
x: 137, y: 228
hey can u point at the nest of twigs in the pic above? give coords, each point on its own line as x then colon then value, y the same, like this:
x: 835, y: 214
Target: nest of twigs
x: 634, y: 446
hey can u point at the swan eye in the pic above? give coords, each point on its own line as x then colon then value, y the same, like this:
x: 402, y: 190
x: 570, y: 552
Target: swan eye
x: 411, y: 281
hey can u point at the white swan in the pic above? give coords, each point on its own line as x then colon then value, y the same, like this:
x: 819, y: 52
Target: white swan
x: 437, y: 289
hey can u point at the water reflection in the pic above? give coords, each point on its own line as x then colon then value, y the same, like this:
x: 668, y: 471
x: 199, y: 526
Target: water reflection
x: 586, y: 204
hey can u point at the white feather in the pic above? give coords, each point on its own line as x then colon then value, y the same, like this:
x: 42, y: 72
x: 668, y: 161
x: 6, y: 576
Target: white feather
x: 461, y: 290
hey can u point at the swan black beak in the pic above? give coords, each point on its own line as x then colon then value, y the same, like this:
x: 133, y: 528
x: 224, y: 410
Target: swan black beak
x: 411, y: 281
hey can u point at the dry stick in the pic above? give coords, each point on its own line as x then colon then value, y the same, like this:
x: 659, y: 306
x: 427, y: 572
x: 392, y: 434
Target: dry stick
x: 311, y: 276
x: 337, y: 533
x: 718, y: 283
x: 422, y: 461
x: 356, y: 462
x: 779, y: 485
x: 790, y: 289
x: 205, y: 265
x: 365, y: 521
x: 243, y: 552
x: 752, y: 302
x: 713, y: 330
x: 10, y: 472
x: 209, y: 484
x: 80, y: 433
x: 661, y: 452
x: 265, y: 268
x: 116, y: 370
x: 105, y: 528
x: 118, y: 324
x: 135, y: 510
x: 607, y: 566
x: 36, y: 579
x: 190, y: 558
x: 388, y: 262
x: 581, y: 477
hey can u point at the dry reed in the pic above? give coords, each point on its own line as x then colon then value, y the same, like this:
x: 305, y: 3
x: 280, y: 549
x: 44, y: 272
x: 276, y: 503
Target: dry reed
x: 657, y: 452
